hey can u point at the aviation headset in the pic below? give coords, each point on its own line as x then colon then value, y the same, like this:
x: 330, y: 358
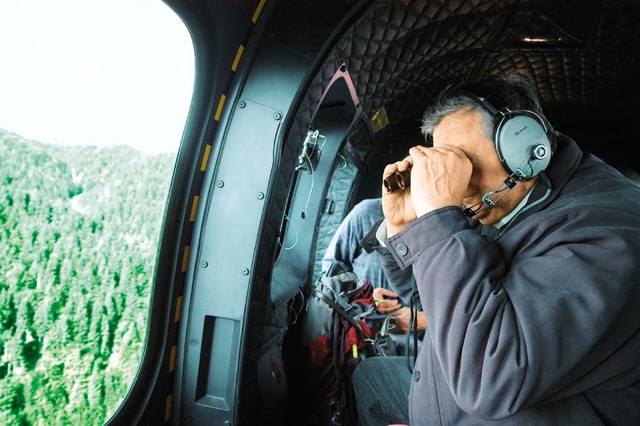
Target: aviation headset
x: 521, y: 137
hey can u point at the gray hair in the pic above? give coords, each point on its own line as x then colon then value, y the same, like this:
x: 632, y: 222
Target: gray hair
x: 448, y: 104
x: 516, y: 90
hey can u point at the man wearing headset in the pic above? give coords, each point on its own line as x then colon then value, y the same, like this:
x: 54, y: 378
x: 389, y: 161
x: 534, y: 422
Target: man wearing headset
x: 530, y: 290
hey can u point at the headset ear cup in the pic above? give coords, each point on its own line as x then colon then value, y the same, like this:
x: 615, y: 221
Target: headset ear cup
x: 523, y: 145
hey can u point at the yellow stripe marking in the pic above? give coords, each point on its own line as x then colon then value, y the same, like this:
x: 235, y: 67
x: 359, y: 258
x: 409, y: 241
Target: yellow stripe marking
x: 236, y: 61
x: 205, y: 158
x: 185, y: 258
x: 223, y: 99
x: 194, y: 208
x: 172, y: 359
x: 178, y: 309
x: 256, y: 14
x: 167, y: 408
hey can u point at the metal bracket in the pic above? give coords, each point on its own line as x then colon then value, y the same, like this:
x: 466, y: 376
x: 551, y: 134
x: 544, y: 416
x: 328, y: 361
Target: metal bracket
x: 310, y: 155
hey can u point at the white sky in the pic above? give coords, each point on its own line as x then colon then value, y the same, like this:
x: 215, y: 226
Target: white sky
x: 95, y: 72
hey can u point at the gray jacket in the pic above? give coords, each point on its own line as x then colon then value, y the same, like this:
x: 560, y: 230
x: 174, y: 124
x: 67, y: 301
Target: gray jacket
x: 541, y: 324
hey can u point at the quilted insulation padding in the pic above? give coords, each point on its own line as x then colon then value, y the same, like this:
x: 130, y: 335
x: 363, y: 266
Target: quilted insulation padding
x: 338, y: 192
x: 400, y: 54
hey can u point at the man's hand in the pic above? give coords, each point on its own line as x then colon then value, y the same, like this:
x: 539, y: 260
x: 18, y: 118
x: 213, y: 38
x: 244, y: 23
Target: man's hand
x: 397, y: 206
x: 439, y: 177
x: 402, y: 317
x: 386, y: 305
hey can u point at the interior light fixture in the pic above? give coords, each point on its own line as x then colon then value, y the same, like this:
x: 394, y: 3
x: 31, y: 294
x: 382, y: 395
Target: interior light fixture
x: 541, y: 39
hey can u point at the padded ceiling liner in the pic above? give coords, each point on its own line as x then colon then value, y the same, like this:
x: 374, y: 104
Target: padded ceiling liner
x: 587, y: 66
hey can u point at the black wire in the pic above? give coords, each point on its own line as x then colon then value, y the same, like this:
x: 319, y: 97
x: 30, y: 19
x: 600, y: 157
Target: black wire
x: 413, y: 328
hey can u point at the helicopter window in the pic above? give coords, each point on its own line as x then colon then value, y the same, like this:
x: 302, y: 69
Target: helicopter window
x: 91, y: 117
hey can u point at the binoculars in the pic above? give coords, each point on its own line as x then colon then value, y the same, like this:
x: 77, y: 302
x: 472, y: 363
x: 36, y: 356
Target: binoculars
x: 398, y: 181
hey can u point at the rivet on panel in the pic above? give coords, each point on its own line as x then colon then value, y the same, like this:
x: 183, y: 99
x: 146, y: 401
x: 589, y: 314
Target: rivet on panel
x: 220, y: 184
x: 245, y: 271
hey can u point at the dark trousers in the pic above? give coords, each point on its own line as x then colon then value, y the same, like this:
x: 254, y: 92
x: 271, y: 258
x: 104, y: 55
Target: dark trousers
x: 381, y: 386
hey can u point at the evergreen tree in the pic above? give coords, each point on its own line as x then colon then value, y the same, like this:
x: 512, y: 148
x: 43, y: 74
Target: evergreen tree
x: 79, y: 229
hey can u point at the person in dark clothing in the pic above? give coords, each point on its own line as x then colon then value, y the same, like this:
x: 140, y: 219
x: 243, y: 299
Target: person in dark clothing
x: 530, y: 290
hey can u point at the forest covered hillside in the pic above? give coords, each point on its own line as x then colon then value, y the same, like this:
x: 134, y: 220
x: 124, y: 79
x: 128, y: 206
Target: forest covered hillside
x: 79, y: 228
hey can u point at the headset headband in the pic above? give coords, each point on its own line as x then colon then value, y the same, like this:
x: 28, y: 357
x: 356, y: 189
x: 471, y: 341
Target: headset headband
x: 487, y: 98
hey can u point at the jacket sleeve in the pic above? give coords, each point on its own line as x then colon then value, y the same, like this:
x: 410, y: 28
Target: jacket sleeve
x: 535, y: 327
x: 400, y: 280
